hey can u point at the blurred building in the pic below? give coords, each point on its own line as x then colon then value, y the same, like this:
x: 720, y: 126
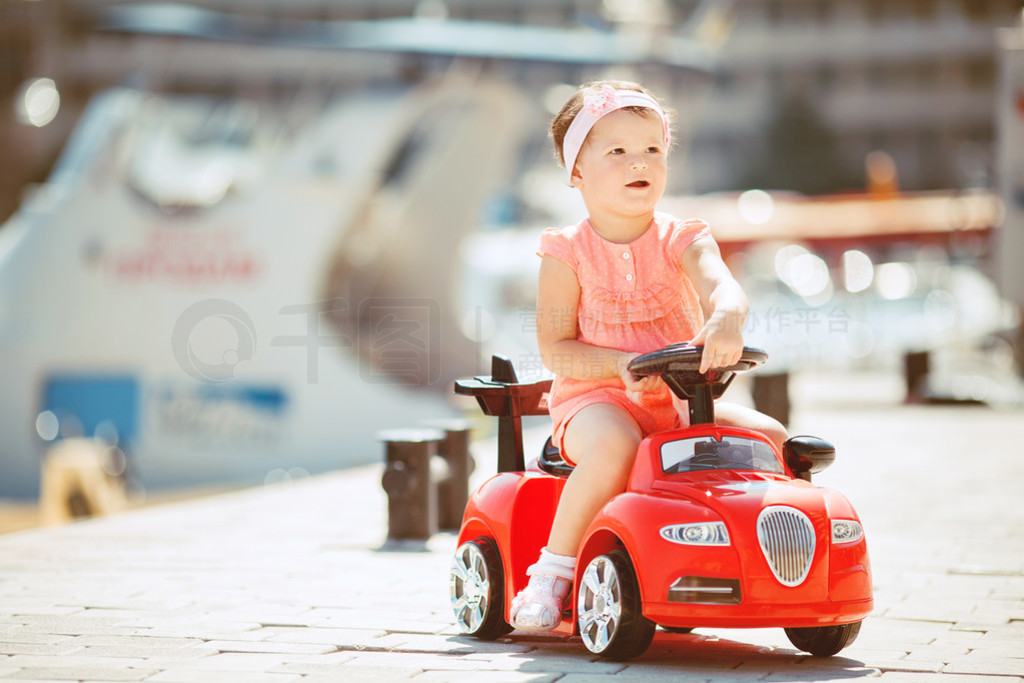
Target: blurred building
x: 914, y: 78
x: 72, y: 43
x: 803, y: 89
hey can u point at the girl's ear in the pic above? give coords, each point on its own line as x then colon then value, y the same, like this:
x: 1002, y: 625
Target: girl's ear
x: 576, y: 180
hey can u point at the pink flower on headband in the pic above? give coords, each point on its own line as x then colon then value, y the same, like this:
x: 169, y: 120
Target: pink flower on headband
x: 601, y: 103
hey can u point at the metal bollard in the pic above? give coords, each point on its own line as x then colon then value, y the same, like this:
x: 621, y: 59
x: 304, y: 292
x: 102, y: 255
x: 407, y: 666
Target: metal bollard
x: 453, y: 490
x: 916, y: 366
x: 770, y: 393
x: 410, y: 473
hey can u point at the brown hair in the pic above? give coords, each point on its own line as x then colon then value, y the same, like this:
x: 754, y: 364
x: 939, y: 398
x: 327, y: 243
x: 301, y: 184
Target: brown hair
x: 560, y: 124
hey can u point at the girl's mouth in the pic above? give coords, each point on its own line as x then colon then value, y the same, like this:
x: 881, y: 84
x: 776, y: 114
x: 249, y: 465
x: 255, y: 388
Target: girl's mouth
x: 638, y: 183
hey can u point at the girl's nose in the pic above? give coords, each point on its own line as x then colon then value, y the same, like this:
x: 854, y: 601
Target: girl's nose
x: 638, y: 161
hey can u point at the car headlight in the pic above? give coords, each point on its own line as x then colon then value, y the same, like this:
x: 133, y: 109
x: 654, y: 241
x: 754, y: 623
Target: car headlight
x: 846, y: 531
x: 701, y: 533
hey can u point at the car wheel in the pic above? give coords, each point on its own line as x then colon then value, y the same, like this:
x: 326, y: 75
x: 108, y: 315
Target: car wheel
x: 609, y: 612
x: 823, y: 641
x: 477, y: 587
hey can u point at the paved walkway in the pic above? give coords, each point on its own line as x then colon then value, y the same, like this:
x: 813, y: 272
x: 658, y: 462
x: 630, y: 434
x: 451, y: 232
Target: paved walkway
x: 293, y: 582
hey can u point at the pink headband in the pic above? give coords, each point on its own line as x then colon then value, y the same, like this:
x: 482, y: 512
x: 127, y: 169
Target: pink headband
x: 598, y: 105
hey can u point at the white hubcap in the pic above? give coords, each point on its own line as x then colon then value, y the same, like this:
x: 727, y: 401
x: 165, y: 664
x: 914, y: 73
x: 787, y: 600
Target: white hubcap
x: 600, y: 604
x: 469, y: 586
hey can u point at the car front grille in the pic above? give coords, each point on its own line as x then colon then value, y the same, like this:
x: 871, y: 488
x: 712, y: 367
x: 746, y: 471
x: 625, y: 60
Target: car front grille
x: 787, y: 541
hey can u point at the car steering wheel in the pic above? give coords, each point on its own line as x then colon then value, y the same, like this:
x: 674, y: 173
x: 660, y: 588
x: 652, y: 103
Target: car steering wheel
x: 679, y: 366
x: 683, y: 361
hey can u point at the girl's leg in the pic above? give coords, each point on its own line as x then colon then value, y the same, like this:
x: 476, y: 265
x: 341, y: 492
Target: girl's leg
x: 602, y: 440
x: 735, y: 415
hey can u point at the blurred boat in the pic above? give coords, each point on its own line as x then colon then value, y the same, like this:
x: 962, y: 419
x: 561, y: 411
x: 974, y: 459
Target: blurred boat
x: 229, y: 289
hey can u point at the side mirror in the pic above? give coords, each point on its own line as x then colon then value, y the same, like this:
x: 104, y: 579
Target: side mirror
x: 807, y: 455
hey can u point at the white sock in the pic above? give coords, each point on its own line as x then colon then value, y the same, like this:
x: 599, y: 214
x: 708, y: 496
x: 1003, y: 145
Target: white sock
x: 560, y: 560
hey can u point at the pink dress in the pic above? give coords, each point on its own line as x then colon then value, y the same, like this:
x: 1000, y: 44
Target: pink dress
x: 633, y: 297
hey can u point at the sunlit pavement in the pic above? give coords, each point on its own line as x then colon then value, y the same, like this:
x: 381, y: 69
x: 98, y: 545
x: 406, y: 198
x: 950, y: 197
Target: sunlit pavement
x: 295, y: 583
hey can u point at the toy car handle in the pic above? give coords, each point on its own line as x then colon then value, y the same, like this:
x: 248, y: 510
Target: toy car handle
x: 502, y: 395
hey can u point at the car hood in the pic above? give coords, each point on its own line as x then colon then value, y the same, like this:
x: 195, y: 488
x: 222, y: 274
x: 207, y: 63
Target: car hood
x: 739, y: 494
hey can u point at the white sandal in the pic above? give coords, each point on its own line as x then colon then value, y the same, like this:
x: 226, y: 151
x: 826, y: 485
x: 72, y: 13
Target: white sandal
x: 538, y: 607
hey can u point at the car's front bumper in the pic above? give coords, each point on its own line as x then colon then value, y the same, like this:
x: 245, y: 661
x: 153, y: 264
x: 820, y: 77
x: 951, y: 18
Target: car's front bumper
x: 750, y: 614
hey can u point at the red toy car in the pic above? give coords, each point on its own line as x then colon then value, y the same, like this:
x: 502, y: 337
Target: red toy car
x: 716, y: 527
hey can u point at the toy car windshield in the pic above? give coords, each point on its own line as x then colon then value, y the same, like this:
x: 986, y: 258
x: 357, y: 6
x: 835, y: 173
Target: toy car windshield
x: 706, y: 453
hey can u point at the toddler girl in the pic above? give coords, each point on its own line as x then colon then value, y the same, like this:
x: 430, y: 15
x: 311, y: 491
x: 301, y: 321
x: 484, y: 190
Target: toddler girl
x: 625, y: 281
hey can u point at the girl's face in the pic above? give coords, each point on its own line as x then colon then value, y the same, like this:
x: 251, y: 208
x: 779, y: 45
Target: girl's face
x: 622, y: 168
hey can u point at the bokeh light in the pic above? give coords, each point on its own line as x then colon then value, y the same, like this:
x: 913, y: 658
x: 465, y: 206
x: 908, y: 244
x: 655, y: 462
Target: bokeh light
x: 479, y: 325
x: 895, y: 280
x: 804, y: 272
x: 756, y: 206
x: 47, y: 425
x: 858, y: 271
x: 38, y: 103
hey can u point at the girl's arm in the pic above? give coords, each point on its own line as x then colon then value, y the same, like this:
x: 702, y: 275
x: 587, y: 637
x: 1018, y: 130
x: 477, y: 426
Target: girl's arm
x: 723, y: 300
x: 558, y: 299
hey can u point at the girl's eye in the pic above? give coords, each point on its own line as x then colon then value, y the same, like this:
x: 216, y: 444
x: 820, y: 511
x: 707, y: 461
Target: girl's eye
x: 618, y: 150
x: 654, y: 150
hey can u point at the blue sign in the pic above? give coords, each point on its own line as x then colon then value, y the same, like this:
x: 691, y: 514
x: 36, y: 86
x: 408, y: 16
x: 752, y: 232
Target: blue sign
x: 93, y: 399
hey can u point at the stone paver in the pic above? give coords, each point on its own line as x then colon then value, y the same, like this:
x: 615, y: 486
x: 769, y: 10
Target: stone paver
x: 295, y: 583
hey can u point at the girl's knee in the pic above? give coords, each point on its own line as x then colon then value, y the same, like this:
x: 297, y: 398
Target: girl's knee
x: 606, y: 432
x: 611, y: 450
x: 771, y: 428
x: 775, y: 431
x: 616, y: 441
x: 748, y: 418
x: 606, y: 467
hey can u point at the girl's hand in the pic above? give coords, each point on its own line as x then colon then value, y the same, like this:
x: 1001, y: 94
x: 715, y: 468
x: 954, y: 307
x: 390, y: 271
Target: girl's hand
x: 722, y: 342
x: 635, y: 386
